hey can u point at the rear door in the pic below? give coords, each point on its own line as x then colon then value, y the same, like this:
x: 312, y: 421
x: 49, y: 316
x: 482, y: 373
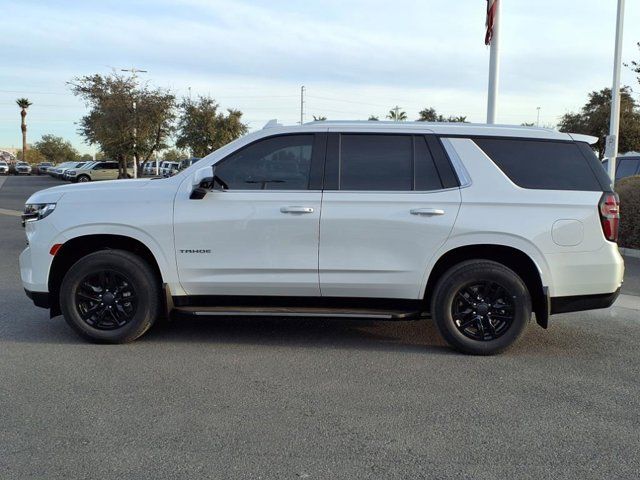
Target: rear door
x: 390, y: 201
x: 98, y: 172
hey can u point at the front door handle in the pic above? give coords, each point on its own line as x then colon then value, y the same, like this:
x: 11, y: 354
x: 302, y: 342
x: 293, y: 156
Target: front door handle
x: 427, y: 212
x: 296, y: 210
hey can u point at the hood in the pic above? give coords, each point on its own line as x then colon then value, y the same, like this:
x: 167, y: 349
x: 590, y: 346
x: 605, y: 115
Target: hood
x: 54, y: 194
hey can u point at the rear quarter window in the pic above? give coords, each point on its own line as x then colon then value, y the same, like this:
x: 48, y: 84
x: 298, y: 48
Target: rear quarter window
x: 546, y: 165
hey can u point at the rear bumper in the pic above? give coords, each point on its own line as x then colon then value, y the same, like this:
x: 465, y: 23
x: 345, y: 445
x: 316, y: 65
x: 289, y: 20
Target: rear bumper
x: 578, y: 303
x: 39, y: 299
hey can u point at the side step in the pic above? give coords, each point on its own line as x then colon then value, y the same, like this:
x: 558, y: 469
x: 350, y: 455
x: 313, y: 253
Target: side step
x: 251, y: 311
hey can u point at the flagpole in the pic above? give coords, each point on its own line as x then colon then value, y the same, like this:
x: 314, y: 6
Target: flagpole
x: 614, y: 122
x: 494, y: 66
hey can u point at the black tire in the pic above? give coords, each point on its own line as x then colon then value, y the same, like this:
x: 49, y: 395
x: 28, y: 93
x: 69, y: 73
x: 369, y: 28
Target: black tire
x: 83, y: 178
x: 480, y: 327
x: 142, y: 298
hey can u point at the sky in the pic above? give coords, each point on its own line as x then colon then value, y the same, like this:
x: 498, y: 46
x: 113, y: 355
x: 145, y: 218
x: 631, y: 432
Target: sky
x: 355, y: 57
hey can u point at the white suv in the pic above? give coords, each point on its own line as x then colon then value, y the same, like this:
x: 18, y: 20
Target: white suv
x: 475, y: 226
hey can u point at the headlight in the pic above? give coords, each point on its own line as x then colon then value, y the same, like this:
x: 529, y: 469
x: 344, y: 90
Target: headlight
x: 70, y: 172
x: 37, y: 211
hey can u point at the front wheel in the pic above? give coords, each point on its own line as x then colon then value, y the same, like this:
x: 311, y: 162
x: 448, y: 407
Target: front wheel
x: 110, y: 296
x: 84, y: 178
x: 481, y: 307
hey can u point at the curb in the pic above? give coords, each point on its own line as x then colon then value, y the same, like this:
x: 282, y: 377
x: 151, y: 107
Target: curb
x: 630, y: 252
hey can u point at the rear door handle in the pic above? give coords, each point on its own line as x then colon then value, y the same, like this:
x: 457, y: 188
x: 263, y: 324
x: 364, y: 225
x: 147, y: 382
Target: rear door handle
x: 296, y: 209
x: 427, y: 212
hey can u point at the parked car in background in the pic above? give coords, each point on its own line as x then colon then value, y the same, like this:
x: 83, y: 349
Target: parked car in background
x: 4, y: 168
x: 22, y: 168
x: 169, y: 169
x: 94, y: 171
x: 627, y: 165
x: 399, y: 220
x: 163, y: 166
x: 65, y: 175
x: 186, y: 163
x: 58, y: 170
x: 149, y: 167
x: 42, y: 167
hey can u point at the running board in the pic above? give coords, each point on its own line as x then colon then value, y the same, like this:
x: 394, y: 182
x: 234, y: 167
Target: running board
x: 378, y: 314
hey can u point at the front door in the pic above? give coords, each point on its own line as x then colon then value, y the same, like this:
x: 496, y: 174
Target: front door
x: 386, y: 209
x: 260, y: 236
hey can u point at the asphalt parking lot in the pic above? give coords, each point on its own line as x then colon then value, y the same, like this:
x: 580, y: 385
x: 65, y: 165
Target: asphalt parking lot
x: 301, y: 398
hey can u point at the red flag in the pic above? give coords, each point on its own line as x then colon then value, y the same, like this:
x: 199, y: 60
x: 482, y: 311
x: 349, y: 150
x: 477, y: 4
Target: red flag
x: 492, y: 5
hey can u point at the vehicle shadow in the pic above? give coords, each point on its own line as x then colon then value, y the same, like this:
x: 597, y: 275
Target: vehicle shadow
x: 416, y: 336
x: 562, y: 339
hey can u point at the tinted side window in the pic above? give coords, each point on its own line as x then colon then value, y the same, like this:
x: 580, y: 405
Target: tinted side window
x: 425, y: 173
x: 376, y: 162
x: 99, y: 166
x: 547, y: 165
x: 277, y: 163
x: 626, y: 167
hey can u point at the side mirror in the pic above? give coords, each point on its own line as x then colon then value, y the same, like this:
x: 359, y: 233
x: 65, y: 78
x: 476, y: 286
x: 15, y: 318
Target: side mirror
x: 204, y: 180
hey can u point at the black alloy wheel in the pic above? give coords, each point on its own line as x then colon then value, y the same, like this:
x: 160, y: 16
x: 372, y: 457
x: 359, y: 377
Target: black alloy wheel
x: 483, y: 310
x: 480, y: 307
x: 111, y: 296
x: 106, y: 300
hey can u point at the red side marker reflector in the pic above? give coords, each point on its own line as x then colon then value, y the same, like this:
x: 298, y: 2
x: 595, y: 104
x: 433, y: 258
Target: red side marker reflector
x: 55, y: 249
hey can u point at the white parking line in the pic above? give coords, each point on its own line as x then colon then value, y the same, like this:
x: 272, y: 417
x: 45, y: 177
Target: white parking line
x: 2, y: 180
x: 13, y: 213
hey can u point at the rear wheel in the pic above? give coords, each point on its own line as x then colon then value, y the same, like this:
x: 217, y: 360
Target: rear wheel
x: 110, y: 296
x: 481, y: 307
x: 84, y: 178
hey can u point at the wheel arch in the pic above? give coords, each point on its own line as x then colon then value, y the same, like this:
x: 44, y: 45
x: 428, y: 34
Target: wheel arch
x: 75, y: 248
x: 514, y: 258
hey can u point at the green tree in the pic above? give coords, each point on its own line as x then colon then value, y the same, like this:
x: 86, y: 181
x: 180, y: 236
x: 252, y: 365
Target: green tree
x: 86, y: 157
x: 397, y: 115
x: 430, y: 115
x: 319, y: 118
x: 56, y: 149
x: 203, y: 129
x: 112, y: 118
x: 23, y: 104
x: 32, y: 156
x: 173, y: 155
x: 373, y: 118
x: 593, y: 119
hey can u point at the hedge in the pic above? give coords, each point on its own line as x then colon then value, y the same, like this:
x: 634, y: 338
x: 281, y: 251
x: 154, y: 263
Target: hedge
x: 629, y: 191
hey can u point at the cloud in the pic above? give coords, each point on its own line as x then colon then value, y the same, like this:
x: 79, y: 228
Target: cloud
x: 366, y: 55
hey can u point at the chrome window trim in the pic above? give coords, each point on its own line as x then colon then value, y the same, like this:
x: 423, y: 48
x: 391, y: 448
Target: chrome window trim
x: 456, y: 162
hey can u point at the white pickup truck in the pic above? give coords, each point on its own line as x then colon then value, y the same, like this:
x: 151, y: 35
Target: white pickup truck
x: 474, y: 226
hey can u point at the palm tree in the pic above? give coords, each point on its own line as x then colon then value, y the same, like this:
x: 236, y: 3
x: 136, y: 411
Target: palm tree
x: 397, y: 115
x: 23, y: 103
x: 320, y: 118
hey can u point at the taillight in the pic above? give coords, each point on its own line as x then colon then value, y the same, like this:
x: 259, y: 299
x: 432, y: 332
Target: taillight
x: 610, y: 215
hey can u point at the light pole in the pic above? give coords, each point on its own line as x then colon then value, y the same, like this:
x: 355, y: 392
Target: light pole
x: 611, y: 150
x: 538, y: 118
x: 302, y: 105
x: 134, y: 71
x: 494, y: 59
